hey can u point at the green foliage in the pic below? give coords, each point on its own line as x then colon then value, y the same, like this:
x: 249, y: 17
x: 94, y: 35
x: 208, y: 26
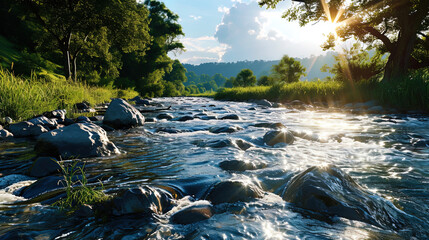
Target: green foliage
x: 265, y: 81
x: 22, y: 98
x: 245, y: 78
x: 175, y: 79
x: 356, y: 65
x: 287, y: 70
x: 78, y: 192
x: 230, y: 82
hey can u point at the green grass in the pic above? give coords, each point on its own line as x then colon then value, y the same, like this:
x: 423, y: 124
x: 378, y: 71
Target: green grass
x: 204, y: 94
x: 23, y: 98
x: 409, y: 94
x: 78, y: 192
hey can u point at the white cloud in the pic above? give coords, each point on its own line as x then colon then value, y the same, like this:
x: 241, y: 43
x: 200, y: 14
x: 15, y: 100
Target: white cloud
x: 195, y: 17
x: 202, y: 49
x: 223, y: 9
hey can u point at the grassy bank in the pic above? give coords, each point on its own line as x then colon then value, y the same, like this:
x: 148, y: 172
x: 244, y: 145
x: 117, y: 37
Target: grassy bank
x: 22, y: 98
x: 409, y: 94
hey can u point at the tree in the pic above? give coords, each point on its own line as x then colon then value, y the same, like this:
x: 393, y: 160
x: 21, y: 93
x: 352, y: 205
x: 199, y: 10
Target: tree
x: 177, y: 76
x: 288, y: 70
x: 229, y: 83
x: 219, y: 79
x: 265, y: 81
x: 395, y: 27
x: 72, y: 24
x: 245, y: 78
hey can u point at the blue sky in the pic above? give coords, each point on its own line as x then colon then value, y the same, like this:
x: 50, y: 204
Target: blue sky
x: 236, y: 30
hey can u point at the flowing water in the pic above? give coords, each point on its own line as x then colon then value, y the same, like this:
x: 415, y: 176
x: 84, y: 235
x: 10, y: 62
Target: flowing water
x: 385, y: 154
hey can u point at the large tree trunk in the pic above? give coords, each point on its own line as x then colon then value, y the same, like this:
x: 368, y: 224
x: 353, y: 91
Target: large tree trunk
x: 67, y: 64
x: 75, y: 68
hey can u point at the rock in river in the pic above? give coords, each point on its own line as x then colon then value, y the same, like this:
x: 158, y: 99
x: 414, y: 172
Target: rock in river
x: 241, y: 166
x: 230, y: 117
x: 193, y: 213
x: 44, y: 166
x: 166, y: 116
x: 121, y: 114
x: 145, y: 200
x: 271, y: 138
x: 233, y: 191
x: 5, y: 134
x: 78, y: 140
x: 26, y: 129
x: 229, y: 129
x: 330, y: 191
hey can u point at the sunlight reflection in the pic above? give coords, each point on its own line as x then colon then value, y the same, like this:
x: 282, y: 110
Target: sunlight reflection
x: 270, y: 232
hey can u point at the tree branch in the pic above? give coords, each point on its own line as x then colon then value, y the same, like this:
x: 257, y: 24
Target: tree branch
x: 386, y: 41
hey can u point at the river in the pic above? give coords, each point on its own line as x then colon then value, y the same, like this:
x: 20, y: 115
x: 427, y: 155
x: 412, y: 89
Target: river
x: 382, y: 153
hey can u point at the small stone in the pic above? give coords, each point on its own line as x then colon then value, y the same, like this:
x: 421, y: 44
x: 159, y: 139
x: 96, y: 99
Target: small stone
x: 8, y: 120
x: 193, y: 214
x: 230, y: 117
x: 230, y: 129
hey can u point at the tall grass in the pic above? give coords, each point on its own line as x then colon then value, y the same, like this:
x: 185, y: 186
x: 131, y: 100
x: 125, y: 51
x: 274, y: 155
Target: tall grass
x: 78, y: 192
x: 22, y: 98
x: 408, y: 94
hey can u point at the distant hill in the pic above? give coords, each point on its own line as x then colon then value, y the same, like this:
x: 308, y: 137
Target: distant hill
x: 260, y: 67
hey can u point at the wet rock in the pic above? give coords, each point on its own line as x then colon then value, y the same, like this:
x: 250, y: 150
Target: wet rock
x: 233, y: 191
x: 243, y: 145
x: 263, y: 102
x: 150, y: 120
x: 78, y: 140
x: 8, y: 120
x: 229, y: 129
x: 58, y: 114
x: 44, y: 166
x: 252, y: 109
x: 121, y: 114
x: 270, y: 125
x: 8, y: 180
x: 208, y: 118
x: 169, y: 130
x: 43, y: 185
x: 330, y: 191
x: 193, y: 214
x: 241, y: 166
x: 82, y: 105
x: 183, y: 119
x: 420, y: 143
x: 26, y: 129
x: 274, y: 137
x: 96, y: 118
x: 83, y: 119
x: 139, y: 101
x: 5, y: 134
x: 230, y: 117
x: 166, y: 116
x: 84, y: 211
x: 212, y: 105
x: 44, y: 121
x: 144, y: 200
x: 68, y: 121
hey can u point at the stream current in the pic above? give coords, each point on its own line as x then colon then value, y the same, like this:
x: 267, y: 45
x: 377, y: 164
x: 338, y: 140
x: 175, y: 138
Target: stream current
x: 386, y: 154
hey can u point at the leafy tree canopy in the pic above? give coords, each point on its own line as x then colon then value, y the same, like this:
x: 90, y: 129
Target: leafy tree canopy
x: 245, y: 78
x: 397, y: 27
x: 288, y: 70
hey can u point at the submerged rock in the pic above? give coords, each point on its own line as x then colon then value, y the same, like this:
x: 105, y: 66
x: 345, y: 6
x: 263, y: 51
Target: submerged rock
x: 230, y: 117
x: 229, y: 129
x: 240, y: 144
x: 184, y: 118
x: 241, y: 166
x: 121, y: 114
x: 274, y: 137
x: 26, y: 129
x: 233, y: 191
x: 144, y: 200
x: 166, y: 116
x: 330, y: 191
x: 79, y: 140
x: 44, y: 166
x: 192, y: 214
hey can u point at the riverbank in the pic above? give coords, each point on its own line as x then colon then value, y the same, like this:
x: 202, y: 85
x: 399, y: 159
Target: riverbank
x: 412, y: 94
x: 23, y: 98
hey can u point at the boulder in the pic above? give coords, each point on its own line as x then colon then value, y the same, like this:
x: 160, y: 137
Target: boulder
x: 144, y: 200
x: 233, y: 191
x: 44, y: 185
x: 331, y: 192
x: 241, y: 166
x: 230, y: 117
x: 26, y: 129
x: 5, y: 134
x: 68, y: 121
x: 264, y: 102
x: 78, y: 140
x: 166, y: 116
x: 139, y: 101
x: 58, y: 114
x: 121, y: 114
x: 83, y: 119
x: 271, y: 138
x: 183, y: 119
x: 193, y: 214
x: 228, y: 129
x: 8, y: 180
x: 44, y: 121
x: 44, y: 166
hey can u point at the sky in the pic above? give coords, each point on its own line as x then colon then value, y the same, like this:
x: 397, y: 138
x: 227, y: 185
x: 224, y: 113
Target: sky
x: 238, y: 30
